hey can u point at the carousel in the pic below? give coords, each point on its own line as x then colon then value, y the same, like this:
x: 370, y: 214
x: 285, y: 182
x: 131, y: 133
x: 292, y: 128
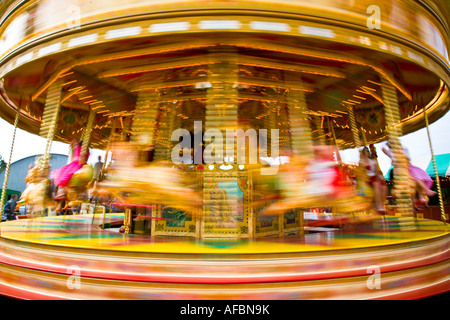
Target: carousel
x: 222, y: 125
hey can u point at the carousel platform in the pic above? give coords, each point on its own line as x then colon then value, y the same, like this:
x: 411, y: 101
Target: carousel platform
x: 71, y: 257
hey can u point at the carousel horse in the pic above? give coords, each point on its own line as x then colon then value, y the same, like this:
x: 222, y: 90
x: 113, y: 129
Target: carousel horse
x: 132, y: 181
x: 38, y: 192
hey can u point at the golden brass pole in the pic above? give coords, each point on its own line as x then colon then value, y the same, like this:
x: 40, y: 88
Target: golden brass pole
x: 127, y: 221
x: 354, y: 128
x: 403, y: 183
x: 301, y: 140
x: 87, y: 137
x: 145, y: 119
x: 163, y: 150
x: 320, y: 132
x: 104, y: 217
x: 126, y: 125
x: 50, y: 118
x: 48, y: 129
x: 438, y: 184
x: 108, y: 148
x: 331, y: 128
x: 363, y: 135
x: 269, y: 123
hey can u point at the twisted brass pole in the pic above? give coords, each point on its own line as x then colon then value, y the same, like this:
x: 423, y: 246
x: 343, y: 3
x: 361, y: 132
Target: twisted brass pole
x: 48, y: 129
x: 301, y: 140
x: 145, y: 120
x: 87, y: 137
x: 49, y: 123
x: 108, y: 147
x: 351, y: 114
x: 438, y: 184
x: 320, y: 132
x: 333, y: 134
x: 222, y: 101
x: 363, y: 135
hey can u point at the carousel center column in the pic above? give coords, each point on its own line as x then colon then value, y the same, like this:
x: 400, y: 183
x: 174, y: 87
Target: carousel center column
x: 143, y: 133
x: 221, y: 115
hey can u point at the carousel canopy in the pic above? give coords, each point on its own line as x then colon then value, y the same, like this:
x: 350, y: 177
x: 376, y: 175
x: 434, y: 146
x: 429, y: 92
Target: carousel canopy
x: 119, y: 52
x: 442, y: 164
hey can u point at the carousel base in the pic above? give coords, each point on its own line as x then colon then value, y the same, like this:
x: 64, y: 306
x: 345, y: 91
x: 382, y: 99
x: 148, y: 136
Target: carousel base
x: 72, y: 258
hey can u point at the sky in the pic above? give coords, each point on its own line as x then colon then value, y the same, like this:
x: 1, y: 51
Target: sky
x: 27, y: 144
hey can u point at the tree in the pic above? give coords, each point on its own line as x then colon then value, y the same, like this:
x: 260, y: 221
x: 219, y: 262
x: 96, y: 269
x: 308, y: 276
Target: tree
x: 2, y: 163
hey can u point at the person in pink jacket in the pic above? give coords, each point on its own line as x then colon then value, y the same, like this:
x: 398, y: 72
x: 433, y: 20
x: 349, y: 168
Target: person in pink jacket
x: 62, y: 176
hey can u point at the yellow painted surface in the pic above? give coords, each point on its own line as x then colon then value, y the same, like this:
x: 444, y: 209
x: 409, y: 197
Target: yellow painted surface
x: 77, y: 232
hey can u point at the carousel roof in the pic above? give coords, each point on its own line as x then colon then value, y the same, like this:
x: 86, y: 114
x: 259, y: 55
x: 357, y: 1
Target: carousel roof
x: 106, y: 63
